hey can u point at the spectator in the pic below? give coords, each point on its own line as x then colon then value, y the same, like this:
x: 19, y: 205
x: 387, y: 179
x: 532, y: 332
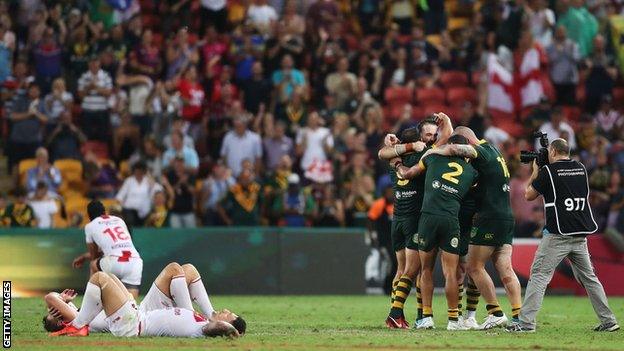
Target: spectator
x: 342, y: 84
x: 580, y: 25
x: 601, y: 75
x: 78, y: 50
x: 277, y: 145
x: 182, y: 185
x: 192, y: 95
x: 321, y: 15
x: 434, y: 16
x: 609, y: 120
x: 19, y: 213
x: 48, y: 59
x: 6, y: 53
x: 145, y: 58
x: 541, y: 20
x: 296, y: 206
x: 243, y: 202
x: 126, y: 138
x: 261, y: 15
x: 493, y: 134
x: 314, y: 144
x: 178, y: 149
x: 43, y: 172
x: 241, y: 144
x: 256, y: 90
x: 403, y: 13
x: 151, y: 154
x: 180, y: 54
x: 27, y: 124
x: 136, y: 194
x: 330, y: 209
x: 159, y: 217
x: 101, y: 176
x: 66, y: 139
x: 214, y: 13
x: 178, y: 125
x: 287, y: 79
x: 94, y: 88
x: 558, y: 128
x: 564, y: 57
x: 58, y: 101
x: 214, y: 189
x: 44, y: 207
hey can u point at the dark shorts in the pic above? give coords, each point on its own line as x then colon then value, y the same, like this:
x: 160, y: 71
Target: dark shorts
x: 436, y: 231
x: 404, y: 230
x: 492, y: 232
x: 465, y: 228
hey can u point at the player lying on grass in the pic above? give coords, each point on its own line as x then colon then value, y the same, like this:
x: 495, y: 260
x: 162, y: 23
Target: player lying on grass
x: 175, y: 286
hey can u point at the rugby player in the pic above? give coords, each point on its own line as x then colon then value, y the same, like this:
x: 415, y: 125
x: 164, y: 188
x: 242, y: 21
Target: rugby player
x: 105, y: 292
x: 447, y: 181
x: 407, y: 204
x: 110, y: 248
x: 61, y: 309
x: 492, y: 232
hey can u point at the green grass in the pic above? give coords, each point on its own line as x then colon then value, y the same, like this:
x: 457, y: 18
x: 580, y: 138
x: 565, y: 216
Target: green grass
x: 341, y: 323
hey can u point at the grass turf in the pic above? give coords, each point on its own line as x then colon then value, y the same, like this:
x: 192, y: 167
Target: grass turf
x: 342, y: 323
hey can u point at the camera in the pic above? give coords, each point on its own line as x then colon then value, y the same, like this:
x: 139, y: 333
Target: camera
x: 541, y: 155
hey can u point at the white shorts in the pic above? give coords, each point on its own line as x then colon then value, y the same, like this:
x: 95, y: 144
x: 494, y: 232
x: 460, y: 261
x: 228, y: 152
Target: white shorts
x: 155, y: 300
x: 129, y: 272
x: 99, y: 324
x: 175, y: 322
x: 125, y: 321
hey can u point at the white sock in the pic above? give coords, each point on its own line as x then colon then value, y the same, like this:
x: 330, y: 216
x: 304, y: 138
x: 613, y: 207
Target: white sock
x: 91, y: 306
x: 180, y: 293
x: 471, y: 314
x: 200, y: 296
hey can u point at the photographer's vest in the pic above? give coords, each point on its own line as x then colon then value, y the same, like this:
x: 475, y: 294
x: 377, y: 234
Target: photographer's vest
x: 567, y: 208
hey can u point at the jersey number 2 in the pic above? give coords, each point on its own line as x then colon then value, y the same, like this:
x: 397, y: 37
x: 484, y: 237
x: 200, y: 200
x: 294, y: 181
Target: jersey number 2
x: 117, y: 233
x: 450, y: 176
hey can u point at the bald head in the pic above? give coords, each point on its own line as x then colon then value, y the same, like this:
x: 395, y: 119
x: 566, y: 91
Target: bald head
x: 560, y: 147
x: 466, y: 133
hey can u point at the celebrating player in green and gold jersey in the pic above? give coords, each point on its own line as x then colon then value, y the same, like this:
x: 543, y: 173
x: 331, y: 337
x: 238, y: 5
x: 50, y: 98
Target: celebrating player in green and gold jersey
x: 492, y: 230
x: 447, y: 181
x: 408, y: 201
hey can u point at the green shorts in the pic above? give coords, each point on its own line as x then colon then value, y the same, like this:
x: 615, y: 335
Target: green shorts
x: 403, y: 231
x: 436, y: 231
x: 465, y: 227
x: 492, y: 232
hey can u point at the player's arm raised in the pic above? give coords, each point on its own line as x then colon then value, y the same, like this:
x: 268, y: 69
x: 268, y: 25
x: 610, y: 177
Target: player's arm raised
x: 445, y: 127
x: 397, y: 150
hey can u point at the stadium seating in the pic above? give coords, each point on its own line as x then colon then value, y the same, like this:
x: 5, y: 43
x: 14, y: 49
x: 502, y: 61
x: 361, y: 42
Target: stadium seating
x: 398, y: 95
x: 71, y: 172
x: 425, y: 96
x: 23, y: 167
x: 450, y: 79
x: 459, y: 95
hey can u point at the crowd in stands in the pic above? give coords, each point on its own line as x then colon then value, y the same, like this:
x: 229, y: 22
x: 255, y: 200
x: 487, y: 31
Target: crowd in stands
x: 270, y: 112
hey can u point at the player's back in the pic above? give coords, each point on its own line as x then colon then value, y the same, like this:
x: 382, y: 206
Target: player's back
x: 408, y: 193
x: 447, y: 181
x: 492, y: 193
x: 173, y: 321
x: 111, y: 235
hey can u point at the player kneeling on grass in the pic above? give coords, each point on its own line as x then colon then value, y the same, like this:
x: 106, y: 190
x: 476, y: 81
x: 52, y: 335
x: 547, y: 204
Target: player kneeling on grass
x: 175, y: 286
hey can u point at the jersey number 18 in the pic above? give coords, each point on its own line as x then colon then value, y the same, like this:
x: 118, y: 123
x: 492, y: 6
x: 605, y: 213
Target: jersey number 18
x: 117, y: 233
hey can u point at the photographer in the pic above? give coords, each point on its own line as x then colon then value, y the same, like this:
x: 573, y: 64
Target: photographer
x: 563, y: 184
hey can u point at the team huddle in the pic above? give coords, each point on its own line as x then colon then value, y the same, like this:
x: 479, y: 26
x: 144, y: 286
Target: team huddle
x: 451, y: 195
x: 109, y: 302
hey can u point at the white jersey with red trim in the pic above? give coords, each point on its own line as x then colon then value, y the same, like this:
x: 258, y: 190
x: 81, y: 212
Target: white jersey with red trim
x: 173, y: 321
x: 112, y: 236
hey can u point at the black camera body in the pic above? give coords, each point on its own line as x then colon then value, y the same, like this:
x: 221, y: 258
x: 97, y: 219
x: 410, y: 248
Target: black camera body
x: 541, y: 155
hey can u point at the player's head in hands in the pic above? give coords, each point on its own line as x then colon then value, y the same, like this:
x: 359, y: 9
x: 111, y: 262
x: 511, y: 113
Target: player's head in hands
x: 95, y: 209
x: 231, y: 318
x: 51, y: 323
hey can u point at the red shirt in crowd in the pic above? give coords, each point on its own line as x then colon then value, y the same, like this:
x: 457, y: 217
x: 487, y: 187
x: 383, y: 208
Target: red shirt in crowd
x: 193, y: 95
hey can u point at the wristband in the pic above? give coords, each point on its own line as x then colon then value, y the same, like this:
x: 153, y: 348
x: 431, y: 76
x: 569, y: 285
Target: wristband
x: 409, y: 147
x: 396, y: 152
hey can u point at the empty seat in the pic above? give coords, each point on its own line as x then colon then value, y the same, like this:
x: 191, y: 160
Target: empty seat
x: 427, y: 96
x: 450, y: 79
x: 398, y: 95
x: 23, y: 167
x: 457, y: 96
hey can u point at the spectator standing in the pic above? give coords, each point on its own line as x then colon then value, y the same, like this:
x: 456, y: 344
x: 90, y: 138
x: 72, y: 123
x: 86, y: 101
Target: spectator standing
x: 66, y: 139
x: 48, y: 59
x: 241, y: 144
x: 541, y: 20
x: 43, y: 172
x: 581, y: 26
x: 27, y: 125
x: 214, y: 13
x: 6, y: 53
x: 151, y: 154
x: 178, y: 149
x: 243, y: 202
x: 145, y: 58
x: 182, y: 185
x: 256, y: 90
x: 192, y: 95
x: 19, y: 213
x: 94, y: 87
x: 321, y: 15
x: 214, y: 189
x: 44, y: 207
x: 601, y: 75
x: 287, y: 79
x: 58, y: 101
x: 136, y: 194
x: 295, y: 207
x: 342, y: 84
x: 314, y: 144
x: 610, y: 121
x: 277, y: 145
x: 558, y: 128
x: 261, y: 15
x: 564, y: 57
x: 160, y: 216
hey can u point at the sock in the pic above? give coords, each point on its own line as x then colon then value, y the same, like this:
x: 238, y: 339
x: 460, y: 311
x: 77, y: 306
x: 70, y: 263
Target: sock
x: 453, y: 314
x: 494, y: 308
x: 91, y: 306
x: 400, y: 295
x: 395, y: 282
x: 200, y: 296
x: 427, y: 311
x: 472, y: 300
x: 461, y: 296
x: 515, y: 311
x: 419, y: 301
x: 180, y: 292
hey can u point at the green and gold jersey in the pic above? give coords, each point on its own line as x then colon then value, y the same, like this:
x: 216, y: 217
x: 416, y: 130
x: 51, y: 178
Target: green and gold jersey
x: 447, y: 181
x: 492, y: 194
x: 408, y: 193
